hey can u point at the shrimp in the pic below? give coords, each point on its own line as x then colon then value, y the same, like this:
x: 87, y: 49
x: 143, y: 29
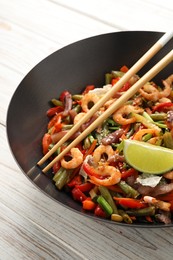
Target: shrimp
x: 119, y: 115
x: 168, y: 175
x: 109, y: 103
x: 164, y: 100
x: 112, y: 175
x: 88, y: 100
x: 78, y: 117
x: 154, y: 140
x: 167, y: 90
x: 77, y: 159
x: 133, y: 79
x: 149, y: 92
x: 101, y: 150
x: 138, y: 136
x: 158, y: 203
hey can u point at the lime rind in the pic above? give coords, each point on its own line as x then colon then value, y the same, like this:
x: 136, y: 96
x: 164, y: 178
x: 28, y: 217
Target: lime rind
x: 148, y: 158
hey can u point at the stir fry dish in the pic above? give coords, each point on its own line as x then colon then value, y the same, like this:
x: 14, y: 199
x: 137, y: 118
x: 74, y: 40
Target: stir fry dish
x: 123, y: 170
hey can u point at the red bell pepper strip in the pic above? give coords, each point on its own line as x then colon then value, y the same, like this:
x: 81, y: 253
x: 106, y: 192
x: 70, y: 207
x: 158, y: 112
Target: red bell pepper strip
x: 162, y: 106
x: 58, y: 126
x: 56, y: 167
x: 88, y: 88
x: 77, y: 180
x: 115, y: 188
x: 127, y: 173
x: 125, y: 87
x: 55, y: 119
x: 99, y: 212
x: 85, y: 187
x: 131, y: 203
x: 54, y: 110
x: 124, y: 69
x: 91, y: 148
x: 46, y: 141
x: 166, y: 197
x: 78, y: 195
x: 88, y: 204
x: 90, y: 170
x: 63, y: 94
x: 115, y: 80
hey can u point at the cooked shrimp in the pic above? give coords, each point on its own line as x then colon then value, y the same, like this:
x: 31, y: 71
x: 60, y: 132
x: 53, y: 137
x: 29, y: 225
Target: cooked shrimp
x: 133, y: 79
x: 112, y: 175
x: 109, y: 103
x: 164, y: 100
x: 101, y: 150
x: 119, y: 115
x: 77, y: 159
x: 167, y: 84
x: 168, y: 175
x: 154, y: 140
x: 138, y: 136
x: 78, y: 117
x: 158, y: 203
x: 87, y: 100
x: 149, y: 92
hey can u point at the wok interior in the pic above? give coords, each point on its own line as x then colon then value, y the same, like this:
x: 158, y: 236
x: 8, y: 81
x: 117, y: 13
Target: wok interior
x: 72, y: 68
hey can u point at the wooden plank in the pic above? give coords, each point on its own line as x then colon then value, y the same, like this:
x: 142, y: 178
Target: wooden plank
x: 28, y: 241
x: 126, y: 15
x: 61, y: 25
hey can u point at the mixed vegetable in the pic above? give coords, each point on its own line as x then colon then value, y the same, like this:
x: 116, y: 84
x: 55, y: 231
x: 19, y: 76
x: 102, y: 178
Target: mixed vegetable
x: 95, y: 172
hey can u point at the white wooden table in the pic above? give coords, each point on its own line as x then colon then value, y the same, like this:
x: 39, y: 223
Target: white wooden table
x: 32, y: 226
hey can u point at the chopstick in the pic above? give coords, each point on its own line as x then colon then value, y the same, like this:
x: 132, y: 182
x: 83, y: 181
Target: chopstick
x: 138, y: 65
x: 117, y: 104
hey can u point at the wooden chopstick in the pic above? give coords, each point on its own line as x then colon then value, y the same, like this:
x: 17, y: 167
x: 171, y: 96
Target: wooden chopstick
x: 133, y: 70
x: 117, y: 104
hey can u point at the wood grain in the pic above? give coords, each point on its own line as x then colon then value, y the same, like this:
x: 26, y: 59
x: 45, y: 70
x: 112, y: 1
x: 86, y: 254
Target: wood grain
x: 33, y: 226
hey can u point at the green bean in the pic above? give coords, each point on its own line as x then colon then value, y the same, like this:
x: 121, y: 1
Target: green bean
x: 116, y: 217
x: 62, y: 179
x: 50, y: 146
x: 150, y: 119
x: 120, y: 146
x: 67, y: 127
x: 128, y: 190
x: 158, y: 116
x: 104, y: 205
x: 130, y: 133
x: 145, y: 121
x: 107, y: 196
x: 77, y: 97
x: 67, y: 120
x: 168, y: 140
x: 57, y: 151
x: 77, y: 109
x: 147, y: 116
x: 149, y: 211
x: 113, y: 128
x: 161, y: 125
x: 91, y: 138
x: 117, y: 73
x: 111, y: 122
x: 56, y: 102
x: 125, y: 216
x: 57, y: 174
x: 93, y: 193
x: 86, y: 143
x: 108, y: 78
x: 146, y: 137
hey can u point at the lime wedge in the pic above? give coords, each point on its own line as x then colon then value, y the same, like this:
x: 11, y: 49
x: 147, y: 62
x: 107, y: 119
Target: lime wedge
x: 148, y: 158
